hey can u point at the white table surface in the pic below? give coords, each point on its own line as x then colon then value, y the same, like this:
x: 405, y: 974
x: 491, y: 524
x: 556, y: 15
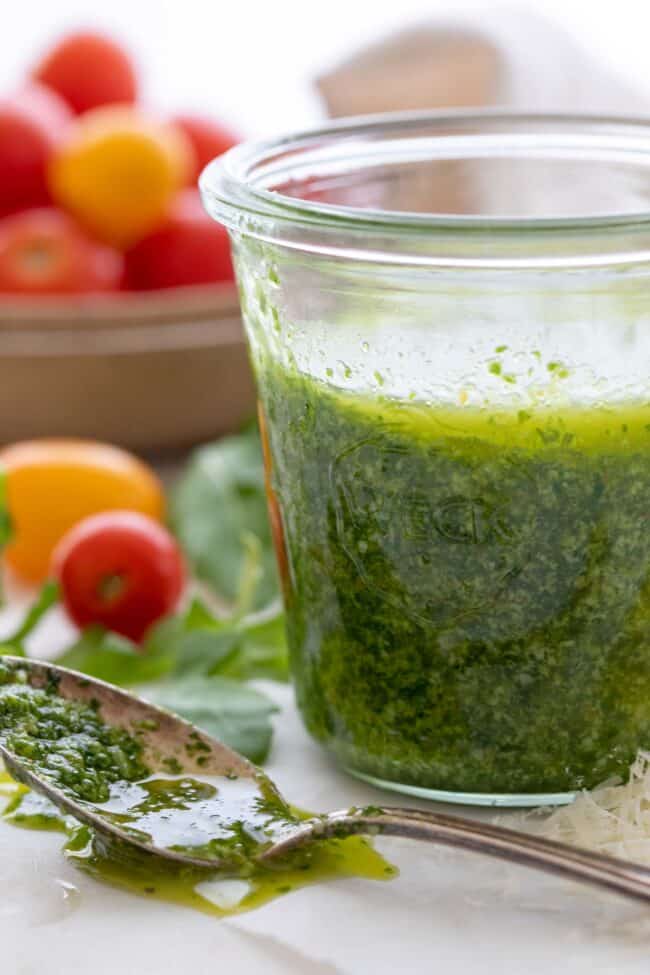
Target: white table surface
x: 447, y: 912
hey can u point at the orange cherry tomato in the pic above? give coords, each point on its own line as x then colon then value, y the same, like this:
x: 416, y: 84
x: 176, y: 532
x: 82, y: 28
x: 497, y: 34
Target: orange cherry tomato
x: 53, y: 484
x: 118, y: 171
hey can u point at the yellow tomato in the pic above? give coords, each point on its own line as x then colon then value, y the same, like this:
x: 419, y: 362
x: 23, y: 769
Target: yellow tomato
x: 117, y: 172
x: 53, y: 484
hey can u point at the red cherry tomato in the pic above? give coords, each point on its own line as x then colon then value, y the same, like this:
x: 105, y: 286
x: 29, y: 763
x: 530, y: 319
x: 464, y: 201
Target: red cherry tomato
x: 190, y: 248
x: 209, y: 140
x: 43, y: 251
x: 32, y: 124
x: 120, y: 569
x: 88, y: 70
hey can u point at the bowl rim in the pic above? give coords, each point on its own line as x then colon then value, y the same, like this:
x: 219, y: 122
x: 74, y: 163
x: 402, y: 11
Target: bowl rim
x: 157, y: 308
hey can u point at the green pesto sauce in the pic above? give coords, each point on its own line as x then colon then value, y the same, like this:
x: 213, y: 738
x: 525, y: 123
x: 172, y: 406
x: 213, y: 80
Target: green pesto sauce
x: 65, y: 741
x: 224, y: 818
x: 468, y: 593
x: 101, y: 767
x: 202, y: 890
x: 213, y: 818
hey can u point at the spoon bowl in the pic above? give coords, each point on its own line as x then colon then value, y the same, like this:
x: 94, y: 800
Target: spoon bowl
x: 174, y: 747
x: 170, y: 745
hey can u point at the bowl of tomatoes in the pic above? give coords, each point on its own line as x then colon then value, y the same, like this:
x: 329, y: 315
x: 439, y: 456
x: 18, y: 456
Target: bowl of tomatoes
x: 119, y: 316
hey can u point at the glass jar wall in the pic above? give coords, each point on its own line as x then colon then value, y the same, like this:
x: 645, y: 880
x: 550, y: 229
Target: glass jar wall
x: 448, y: 322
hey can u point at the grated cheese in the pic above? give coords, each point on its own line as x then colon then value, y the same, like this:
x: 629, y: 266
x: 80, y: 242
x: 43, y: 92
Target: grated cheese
x: 613, y: 818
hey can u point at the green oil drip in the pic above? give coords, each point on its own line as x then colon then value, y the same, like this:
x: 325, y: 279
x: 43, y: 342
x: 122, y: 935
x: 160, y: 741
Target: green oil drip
x: 150, y: 877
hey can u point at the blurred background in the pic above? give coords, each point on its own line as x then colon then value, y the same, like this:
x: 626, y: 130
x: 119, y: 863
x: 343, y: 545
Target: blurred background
x: 253, y: 63
x: 162, y: 318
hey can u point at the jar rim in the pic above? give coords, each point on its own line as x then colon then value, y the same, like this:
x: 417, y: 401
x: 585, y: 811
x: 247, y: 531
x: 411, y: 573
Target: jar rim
x: 244, y: 189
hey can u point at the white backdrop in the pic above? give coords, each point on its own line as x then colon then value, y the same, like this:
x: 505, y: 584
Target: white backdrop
x: 251, y: 61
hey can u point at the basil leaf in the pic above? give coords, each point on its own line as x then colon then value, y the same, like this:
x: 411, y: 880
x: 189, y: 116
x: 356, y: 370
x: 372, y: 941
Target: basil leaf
x: 192, y: 650
x: 15, y: 642
x: 6, y: 525
x: 195, y: 643
x: 12, y: 650
x: 110, y: 657
x: 199, y: 643
x: 218, y: 511
x: 237, y: 715
x: 258, y: 647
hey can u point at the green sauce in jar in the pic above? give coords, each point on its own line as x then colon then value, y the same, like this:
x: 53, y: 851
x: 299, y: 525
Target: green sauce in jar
x: 468, y: 592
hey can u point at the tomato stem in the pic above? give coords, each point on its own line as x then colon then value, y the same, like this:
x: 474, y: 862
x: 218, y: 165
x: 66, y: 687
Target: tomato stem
x: 110, y: 587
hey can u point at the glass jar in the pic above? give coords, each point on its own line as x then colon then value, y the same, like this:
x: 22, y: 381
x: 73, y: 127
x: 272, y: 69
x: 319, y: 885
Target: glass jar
x: 449, y: 323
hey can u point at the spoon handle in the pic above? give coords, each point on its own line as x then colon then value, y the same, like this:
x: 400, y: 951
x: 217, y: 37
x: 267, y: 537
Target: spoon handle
x: 627, y: 878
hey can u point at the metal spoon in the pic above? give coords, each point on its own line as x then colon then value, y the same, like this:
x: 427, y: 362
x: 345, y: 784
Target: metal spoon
x: 166, y: 737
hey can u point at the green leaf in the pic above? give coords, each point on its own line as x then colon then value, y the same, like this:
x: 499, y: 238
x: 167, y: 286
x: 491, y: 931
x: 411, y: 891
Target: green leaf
x: 47, y: 597
x: 252, y: 573
x: 236, y: 714
x: 15, y: 642
x: 11, y: 650
x: 199, y: 643
x: 192, y: 649
x: 110, y: 657
x: 195, y: 643
x: 218, y: 511
x: 6, y: 525
x: 259, y: 647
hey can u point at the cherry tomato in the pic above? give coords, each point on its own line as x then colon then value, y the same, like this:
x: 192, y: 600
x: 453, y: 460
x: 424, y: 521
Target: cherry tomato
x: 208, y: 139
x: 32, y: 124
x: 88, y: 70
x: 43, y: 251
x: 120, y: 569
x: 118, y: 172
x: 53, y: 484
x: 190, y: 248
